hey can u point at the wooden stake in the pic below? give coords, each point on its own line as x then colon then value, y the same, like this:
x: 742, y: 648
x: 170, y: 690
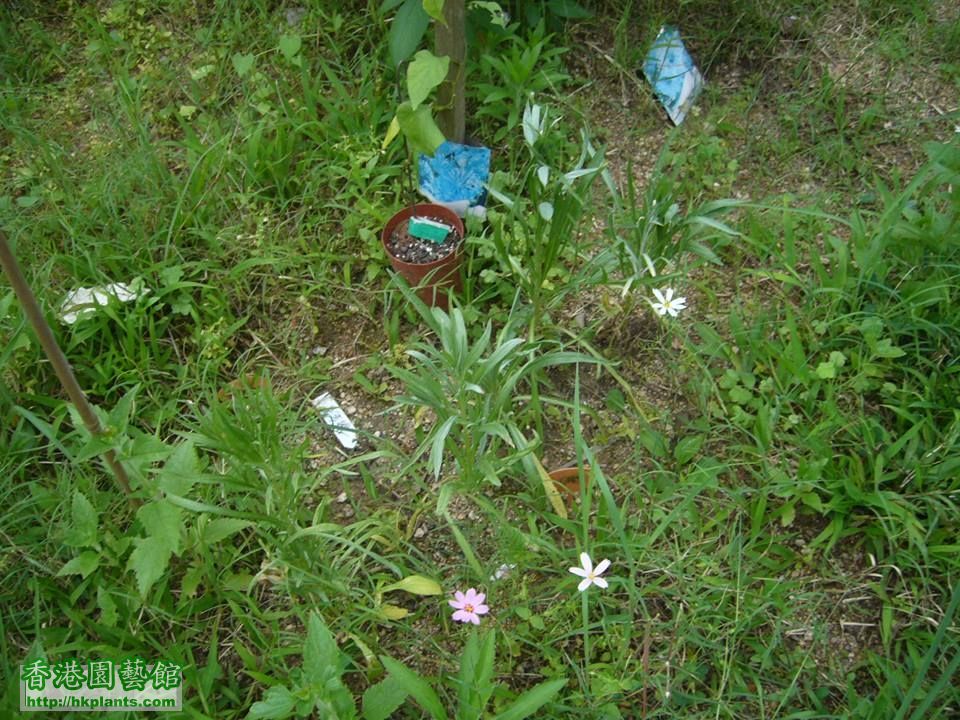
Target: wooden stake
x: 59, y: 361
x: 451, y: 40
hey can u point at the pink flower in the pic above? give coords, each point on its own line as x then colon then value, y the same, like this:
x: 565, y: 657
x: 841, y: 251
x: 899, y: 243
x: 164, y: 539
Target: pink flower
x: 469, y: 607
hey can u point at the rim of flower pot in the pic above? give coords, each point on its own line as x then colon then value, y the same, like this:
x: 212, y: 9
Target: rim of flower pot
x: 568, y: 478
x: 408, y: 212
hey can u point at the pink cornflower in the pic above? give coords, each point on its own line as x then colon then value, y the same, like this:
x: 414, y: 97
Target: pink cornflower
x: 469, y: 607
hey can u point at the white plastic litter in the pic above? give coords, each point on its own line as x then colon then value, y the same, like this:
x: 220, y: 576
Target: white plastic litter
x: 502, y: 572
x: 336, y: 419
x: 84, y: 302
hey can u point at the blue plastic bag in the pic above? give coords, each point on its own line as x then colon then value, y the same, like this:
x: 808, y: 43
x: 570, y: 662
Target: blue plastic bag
x: 670, y: 70
x: 456, y: 177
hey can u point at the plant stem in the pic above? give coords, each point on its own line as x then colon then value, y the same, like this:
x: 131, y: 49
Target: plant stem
x: 31, y: 308
x: 585, y: 613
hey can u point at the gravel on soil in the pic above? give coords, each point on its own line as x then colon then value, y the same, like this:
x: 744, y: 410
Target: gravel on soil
x: 415, y: 250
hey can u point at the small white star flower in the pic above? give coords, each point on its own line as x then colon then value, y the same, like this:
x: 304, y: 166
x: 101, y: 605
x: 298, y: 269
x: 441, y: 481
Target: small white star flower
x: 667, y: 303
x: 589, y: 573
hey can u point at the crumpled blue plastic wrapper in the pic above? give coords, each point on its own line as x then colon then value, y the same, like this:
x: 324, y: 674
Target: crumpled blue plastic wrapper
x: 670, y: 69
x: 456, y: 177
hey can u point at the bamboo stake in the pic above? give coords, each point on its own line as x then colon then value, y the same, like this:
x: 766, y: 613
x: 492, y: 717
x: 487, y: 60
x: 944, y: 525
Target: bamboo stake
x: 61, y: 365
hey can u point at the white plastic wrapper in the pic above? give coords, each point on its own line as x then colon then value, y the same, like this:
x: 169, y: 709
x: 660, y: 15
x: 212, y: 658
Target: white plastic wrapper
x: 336, y: 419
x: 84, y: 302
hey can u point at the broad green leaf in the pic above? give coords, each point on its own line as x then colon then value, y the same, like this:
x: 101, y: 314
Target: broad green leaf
x: 419, y: 128
x: 162, y: 522
x: 149, y: 561
x: 532, y: 700
x: 188, y: 111
x: 407, y: 30
x: 290, y: 46
x: 497, y: 16
x: 393, y: 612
x: 416, y: 687
x: 425, y: 73
x: 108, y: 608
x: 886, y: 349
x: 416, y: 585
x: 320, y: 654
x: 687, y: 448
x: 277, y: 703
x: 242, y: 63
x: 380, y: 701
x: 222, y: 528
x: 434, y: 8
x: 83, y: 528
x: 568, y: 9
x: 826, y: 371
x: 82, y: 565
x: 476, y: 671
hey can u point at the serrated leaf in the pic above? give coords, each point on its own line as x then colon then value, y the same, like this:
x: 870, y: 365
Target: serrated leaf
x: 406, y: 31
x: 82, y: 565
x: 243, y: 64
x: 380, y: 701
x: 222, y: 528
x: 277, y: 703
x: 290, y: 45
x: 416, y: 585
x: 149, y: 561
x: 416, y: 687
x: 419, y: 128
x: 425, y: 73
x: 434, y: 8
x: 393, y: 612
x: 180, y: 471
x: 84, y: 521
x: 191, y: 581
x: 162, y: 522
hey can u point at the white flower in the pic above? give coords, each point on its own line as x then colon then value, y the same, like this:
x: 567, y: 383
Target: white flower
x: 534, y: 123
x: 667, y: 303
x: 589, y: 573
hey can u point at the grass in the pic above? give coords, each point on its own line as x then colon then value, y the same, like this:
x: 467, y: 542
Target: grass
x: 773, y: 473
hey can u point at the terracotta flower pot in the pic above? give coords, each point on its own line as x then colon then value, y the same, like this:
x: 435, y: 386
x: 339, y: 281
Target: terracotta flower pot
x: 567, y: 480
x: 430, y: 279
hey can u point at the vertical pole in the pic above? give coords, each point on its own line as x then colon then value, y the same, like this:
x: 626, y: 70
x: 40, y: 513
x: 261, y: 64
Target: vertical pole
x: 61, y: 365
x: 451, y: 40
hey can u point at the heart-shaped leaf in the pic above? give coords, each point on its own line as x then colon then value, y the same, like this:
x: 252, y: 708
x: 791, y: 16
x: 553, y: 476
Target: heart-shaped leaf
x: 242, y: 63
x: 424, y: 74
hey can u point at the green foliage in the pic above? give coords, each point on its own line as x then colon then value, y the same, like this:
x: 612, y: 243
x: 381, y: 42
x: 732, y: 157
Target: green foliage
x: 472, y: 387
x: 474, y: 685
x: 319, y: 687
x: 773, y: 473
